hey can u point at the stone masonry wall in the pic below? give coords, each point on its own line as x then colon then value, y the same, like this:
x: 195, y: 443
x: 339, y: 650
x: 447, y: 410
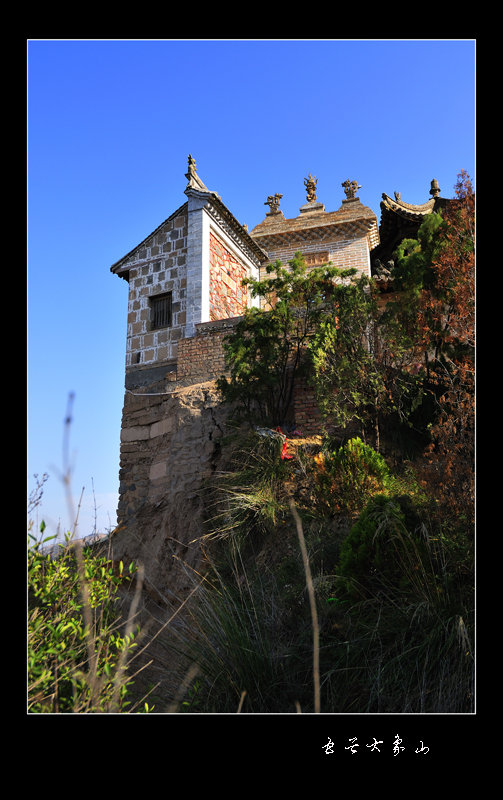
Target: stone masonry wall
x: 171, y: 423
x: 173, y: 440
x: 169, y: 446
x: 170, y: 443
x: 156, y: 267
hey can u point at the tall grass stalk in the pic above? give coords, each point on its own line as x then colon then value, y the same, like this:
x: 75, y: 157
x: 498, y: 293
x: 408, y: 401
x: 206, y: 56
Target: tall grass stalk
x: 408, y: 644
x: 233, y: 634
x: 312, y: 604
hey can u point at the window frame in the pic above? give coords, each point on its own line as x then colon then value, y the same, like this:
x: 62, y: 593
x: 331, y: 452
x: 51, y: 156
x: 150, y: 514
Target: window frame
x: 161, y: 317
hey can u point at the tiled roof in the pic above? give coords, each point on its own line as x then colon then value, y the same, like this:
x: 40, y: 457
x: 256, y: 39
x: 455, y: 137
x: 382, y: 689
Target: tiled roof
x: 407, y: 209
x: 396, y: 215
x: 407, y: 212
x: 400, y: 220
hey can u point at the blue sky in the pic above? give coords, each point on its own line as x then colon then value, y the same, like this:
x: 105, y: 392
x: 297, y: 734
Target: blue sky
x: 110, y: 126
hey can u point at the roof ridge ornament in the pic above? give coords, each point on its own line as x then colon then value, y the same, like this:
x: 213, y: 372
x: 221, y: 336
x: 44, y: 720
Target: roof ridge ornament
x: 435, y: 189
x: 312, y: 206
x: 194, y: 181
x: 350, y: 189
x: 273, y: 203
x: 310, y: 184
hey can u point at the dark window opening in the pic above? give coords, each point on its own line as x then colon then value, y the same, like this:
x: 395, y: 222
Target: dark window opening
x: 161, y: 314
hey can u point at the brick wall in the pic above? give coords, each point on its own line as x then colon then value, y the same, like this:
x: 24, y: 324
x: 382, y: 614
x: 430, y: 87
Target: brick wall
x: 201, y: 358
x: 227, y: 297
x: 343, y: 253
x: 305, y: 409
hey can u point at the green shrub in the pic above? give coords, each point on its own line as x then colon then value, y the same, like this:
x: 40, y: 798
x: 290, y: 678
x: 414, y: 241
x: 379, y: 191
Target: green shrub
x: 76, y: 650
x: 404, y: 587
x: 346, y: 477
x: 383, y: 549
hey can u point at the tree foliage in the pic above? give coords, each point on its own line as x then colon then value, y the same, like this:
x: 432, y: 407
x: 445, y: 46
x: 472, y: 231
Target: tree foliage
x: 435, y: 311
x: 359, y: 365
x: 266, y: 351
x: 409, y: 361
x: 375, y: 361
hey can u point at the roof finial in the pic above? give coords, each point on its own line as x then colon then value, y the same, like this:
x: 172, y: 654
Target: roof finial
x: 194, y: 181
x: 310, y: 184
x: 273, y: 203
x: 192, y: 168
x: 435, y: 189
x: 350, y: 189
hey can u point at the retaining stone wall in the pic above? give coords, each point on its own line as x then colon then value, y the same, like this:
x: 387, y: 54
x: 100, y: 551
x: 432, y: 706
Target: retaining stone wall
x: 169, y: 446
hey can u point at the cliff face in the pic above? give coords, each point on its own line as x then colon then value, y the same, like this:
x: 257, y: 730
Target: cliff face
x: 170, y: 443
x: 173, y: 422
x: 174, y: 436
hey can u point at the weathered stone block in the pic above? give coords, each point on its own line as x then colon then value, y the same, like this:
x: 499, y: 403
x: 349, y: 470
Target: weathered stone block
x: 135, y: 433
x: 158, y: 470
x: 166, y: 425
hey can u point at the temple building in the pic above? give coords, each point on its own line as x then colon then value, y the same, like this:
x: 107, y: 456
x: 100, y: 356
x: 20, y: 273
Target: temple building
x: 344, y: 238
x: 401, y: 220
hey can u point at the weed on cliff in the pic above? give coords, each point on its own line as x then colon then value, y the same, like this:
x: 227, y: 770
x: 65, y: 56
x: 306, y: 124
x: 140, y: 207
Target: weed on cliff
x: 247, y: 499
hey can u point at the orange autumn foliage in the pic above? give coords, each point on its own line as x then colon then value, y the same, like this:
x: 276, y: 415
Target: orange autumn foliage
x: 447, y: 333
